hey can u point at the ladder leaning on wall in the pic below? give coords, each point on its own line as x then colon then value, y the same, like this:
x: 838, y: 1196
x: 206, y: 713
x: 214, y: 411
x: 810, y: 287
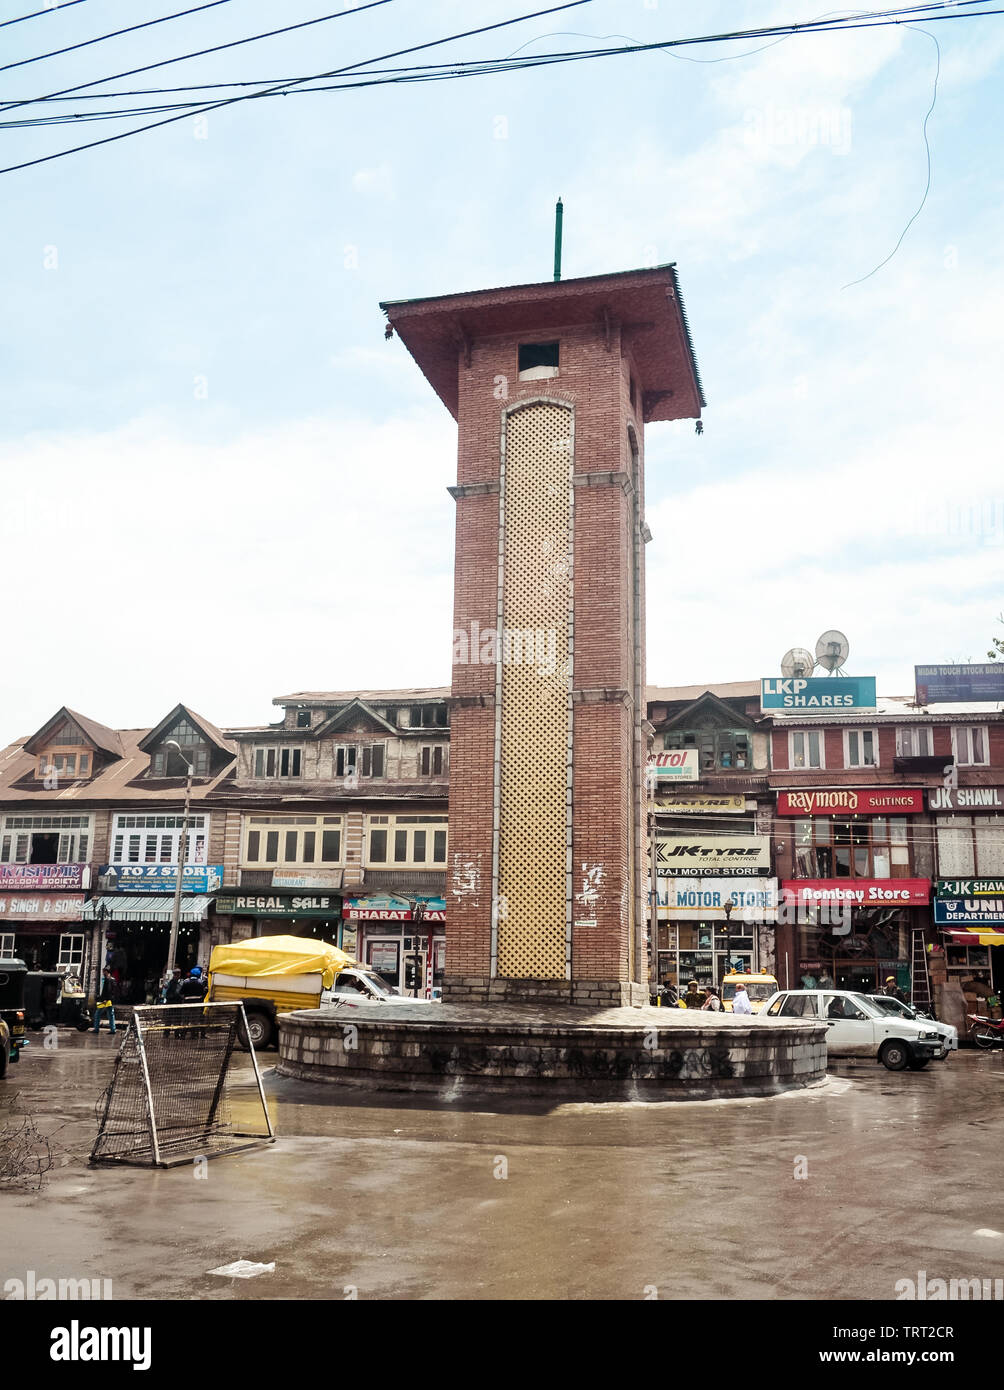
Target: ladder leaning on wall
x: 920, y: 980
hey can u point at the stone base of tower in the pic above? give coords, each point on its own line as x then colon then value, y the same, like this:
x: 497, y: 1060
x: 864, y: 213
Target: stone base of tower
x: 594, y: 994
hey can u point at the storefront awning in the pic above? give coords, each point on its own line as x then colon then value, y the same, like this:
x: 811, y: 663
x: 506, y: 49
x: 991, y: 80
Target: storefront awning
x: 976, y: 936
x: 144, y: 907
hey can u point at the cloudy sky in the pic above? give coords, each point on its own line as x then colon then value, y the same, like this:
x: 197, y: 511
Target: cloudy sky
x: 221, y: 484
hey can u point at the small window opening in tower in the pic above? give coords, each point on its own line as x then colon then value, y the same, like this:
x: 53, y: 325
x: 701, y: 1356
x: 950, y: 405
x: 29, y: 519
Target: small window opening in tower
x: 537, y: 361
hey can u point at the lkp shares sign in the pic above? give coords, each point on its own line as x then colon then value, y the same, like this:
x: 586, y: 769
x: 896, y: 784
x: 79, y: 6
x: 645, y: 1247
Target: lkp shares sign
x: 817, y: 694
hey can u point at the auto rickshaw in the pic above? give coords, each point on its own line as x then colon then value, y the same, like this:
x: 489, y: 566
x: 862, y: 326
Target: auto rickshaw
x: 12, y: 1024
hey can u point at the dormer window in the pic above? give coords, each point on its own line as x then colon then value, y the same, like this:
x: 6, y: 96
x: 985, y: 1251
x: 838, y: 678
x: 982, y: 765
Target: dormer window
x: 167, y: 762
x: 537, y: 361
x: 68, y: 764
x: 303, y: 718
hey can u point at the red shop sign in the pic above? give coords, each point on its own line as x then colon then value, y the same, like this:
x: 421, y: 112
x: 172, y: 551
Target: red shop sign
x: 854, y: 801
x: 858, y: 892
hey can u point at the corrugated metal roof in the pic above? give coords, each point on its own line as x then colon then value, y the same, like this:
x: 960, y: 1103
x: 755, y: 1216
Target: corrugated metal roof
x: 148, y: 907
x: 336, y: 697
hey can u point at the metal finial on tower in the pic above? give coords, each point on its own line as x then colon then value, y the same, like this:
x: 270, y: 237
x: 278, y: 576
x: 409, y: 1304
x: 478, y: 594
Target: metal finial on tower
x: 558, y: 210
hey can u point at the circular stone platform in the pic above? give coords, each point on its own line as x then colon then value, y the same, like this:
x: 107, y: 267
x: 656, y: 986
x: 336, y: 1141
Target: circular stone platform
x: 597, y: 1054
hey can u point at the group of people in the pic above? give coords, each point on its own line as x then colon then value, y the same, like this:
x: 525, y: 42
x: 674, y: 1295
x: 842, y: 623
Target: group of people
x: 177, y: 987
x: 708, y: 998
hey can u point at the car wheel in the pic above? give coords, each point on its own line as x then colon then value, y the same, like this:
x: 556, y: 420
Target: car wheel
x: 83, y: 1023
x: 919, y: 1063
x: 259, y: 1030
x: 895, y: 1055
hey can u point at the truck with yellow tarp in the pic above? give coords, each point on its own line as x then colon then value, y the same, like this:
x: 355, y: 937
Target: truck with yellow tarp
x: 273, y: 975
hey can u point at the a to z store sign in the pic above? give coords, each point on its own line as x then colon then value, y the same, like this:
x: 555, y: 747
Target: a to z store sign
x: 674, y: 765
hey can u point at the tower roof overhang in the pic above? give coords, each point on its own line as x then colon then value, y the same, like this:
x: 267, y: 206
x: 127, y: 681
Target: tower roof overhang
x: 645, y: 305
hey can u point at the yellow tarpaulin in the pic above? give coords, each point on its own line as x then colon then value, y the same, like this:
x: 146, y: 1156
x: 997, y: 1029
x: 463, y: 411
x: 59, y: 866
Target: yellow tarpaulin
x: 280, y: 955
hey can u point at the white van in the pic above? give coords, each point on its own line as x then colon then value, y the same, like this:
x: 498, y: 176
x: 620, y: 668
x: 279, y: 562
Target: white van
x: 857, y: 1027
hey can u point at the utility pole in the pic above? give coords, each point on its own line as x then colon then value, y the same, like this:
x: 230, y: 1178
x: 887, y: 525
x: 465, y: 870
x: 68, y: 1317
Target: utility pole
x: 172, y: 949
x: 558, y: 212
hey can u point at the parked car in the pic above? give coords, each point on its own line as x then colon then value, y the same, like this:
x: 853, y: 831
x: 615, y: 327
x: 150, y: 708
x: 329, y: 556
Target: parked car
x: 12, y: 1016
x: 857, y: 1027
x: 890, y: 1005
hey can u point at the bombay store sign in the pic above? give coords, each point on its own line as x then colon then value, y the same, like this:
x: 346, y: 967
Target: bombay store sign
x: 858, y: 892
x: 683, y: 855
x: 855, y: 801
x: 45, y: 877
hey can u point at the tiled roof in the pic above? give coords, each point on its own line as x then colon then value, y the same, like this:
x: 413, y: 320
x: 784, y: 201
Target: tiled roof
x: 115, y: 782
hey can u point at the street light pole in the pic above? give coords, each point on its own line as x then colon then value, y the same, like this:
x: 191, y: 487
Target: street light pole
x: 172, y: 949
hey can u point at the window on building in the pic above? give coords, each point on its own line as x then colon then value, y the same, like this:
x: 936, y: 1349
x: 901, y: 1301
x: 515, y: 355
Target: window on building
x: 303, y: 718
x: 873, y: 847
x: 429, y: 717
x: 156, y: 839
x: 860, y: 748
x: 292, y: 840
x: 407, y: 841
x: 718, y: 749
x: 366, y: 760
x: 278, y: 762
x: 914, y: 743
x: 62, y: 762
x: 970, y: 746
x: 806, y: 748
x: 168, y: 762
x: 71, y: 952
x: 433, y: 760
x: 537, y: 361
x: 45, y: 839
x: 7, y: 944
x: 970, y: 846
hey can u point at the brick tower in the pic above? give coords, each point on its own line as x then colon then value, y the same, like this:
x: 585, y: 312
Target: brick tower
x: 551, y: 386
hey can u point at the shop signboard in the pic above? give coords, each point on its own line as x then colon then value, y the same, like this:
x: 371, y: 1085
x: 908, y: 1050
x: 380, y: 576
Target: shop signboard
x: 684, y: 805
x: 817, y: 694
x: 48, y: 878
x: 323, y: 878
x: 41, y: 907
x: 695, y: 855
x: 163, y: 878
x: 279, y: 905
x: 858, y: 892
x: 704, y: 899
x: 965, y: 902
x: 674, y: 765
x: 965, y: 799
x: 855, y: 801
x: 385, y: 908
x: 946, y: 685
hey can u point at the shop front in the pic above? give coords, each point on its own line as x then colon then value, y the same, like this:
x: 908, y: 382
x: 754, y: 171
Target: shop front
x: 131, y: 934
x: 273, y: 911
x: 403, y: 939
x: 969, y: 913
x: 713, y: 924
x: 854, y: 935
x: 45, y: 930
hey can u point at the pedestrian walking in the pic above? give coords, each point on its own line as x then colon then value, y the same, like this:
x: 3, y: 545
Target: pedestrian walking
x: 105, y: 1003
x: 741, y: 1004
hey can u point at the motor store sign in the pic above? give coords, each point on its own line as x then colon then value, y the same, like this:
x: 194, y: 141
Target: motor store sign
x: 968, y: 901
x: 163, y: 878
x: 855, y: 801
x: 704, y: 899
x: 683, y: 855
x: 817, y: 693
x: 673, y: 765
x: 41, y: 908
x: 858, y: 892
x: 965, y: 799
x: 45, y: 877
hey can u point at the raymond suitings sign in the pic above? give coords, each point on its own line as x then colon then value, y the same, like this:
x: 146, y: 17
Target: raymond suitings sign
x: 47, y: 878
x: 673, y: 765
x: 856, y: 801
x: 858, y: 892
x: 813, y: 694
x: 686, y: 855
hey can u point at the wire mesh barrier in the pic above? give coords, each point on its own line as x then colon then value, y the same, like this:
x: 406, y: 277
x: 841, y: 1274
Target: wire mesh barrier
x: 171, y: 1097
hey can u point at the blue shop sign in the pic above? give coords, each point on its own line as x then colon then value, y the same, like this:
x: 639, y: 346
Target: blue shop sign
x: 968, y: 912
x: 817, y: 694
x: 944, y: 685
x: 163, y: 878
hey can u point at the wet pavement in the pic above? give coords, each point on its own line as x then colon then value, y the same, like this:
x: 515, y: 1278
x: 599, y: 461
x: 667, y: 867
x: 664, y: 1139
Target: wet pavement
x: 402, y: 1197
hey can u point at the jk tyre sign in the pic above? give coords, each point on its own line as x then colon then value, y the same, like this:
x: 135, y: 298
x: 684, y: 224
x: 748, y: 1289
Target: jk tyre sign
x: 683, y: 855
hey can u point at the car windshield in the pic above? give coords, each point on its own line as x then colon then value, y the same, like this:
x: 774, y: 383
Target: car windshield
x: 887, y: 1004
x: 756, y: 989
x: 863, y: 1002
x: 377, y: 981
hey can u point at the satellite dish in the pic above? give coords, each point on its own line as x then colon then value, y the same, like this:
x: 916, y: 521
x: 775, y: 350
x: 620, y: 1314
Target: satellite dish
x: 797, y: 662
x: 831, y: 650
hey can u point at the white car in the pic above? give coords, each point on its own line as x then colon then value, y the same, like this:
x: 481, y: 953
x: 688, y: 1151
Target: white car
x: 356, y: 987
x: 891, y: 1005
x: 857, y: 1027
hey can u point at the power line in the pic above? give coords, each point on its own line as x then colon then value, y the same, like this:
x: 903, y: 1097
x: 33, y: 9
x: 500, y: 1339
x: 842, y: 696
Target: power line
x: 438, y: 72
x: 50, y: 9
x: 117, y: 33
x: 229, y: 101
